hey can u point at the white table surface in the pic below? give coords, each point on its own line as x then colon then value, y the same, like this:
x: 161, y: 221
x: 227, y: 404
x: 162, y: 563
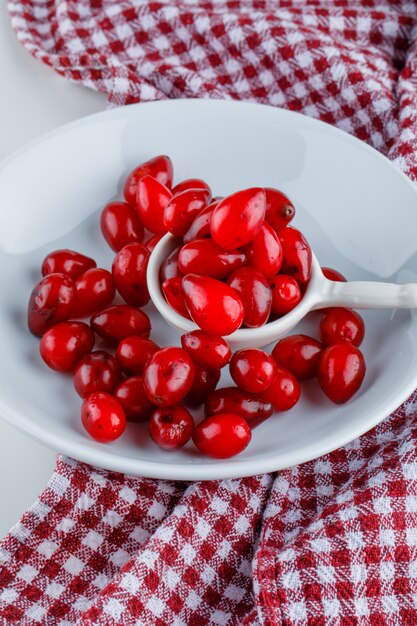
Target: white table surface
x: 33, y: 100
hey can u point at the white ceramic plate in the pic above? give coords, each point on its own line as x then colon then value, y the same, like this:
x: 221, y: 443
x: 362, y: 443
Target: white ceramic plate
x: 358, y: 211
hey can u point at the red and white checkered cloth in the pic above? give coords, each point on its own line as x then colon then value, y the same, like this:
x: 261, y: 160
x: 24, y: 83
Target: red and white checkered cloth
x: 329, y: 543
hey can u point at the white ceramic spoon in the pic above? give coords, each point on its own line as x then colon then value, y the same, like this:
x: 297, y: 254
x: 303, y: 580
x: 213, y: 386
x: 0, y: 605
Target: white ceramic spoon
x: 320, y: 293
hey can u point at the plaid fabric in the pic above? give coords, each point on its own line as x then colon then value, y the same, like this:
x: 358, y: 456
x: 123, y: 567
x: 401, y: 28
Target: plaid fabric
x: 329, y: 543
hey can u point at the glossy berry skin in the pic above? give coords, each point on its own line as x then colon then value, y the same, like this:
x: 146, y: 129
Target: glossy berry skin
x: 332, y: 274
x: 190, y: 183
x: 339, y: 324
x: 205, y: 257
x: 160, y: 168
x: 299, y: 354
x: 251, y: 407
x: 286, y: 294
x: 120, y: 225
x: 169, y: 268
x: 95, y: 290
x: 206, y: 350
x: 129, y: 274
x: 279, y: 209
x: 64, y: 345
x: 68, y: 262
x: 297, y: 255
x: 222, y: 436
x: 52, y: 300
x: 98, y: 371
x: 181, y: 210
x: 285, y: 391
x: 153, y: 241
x: 255, y: 293
x: 168, y: 376
x: 119, y: 321
x: 171, y: 427
x: 341, y: 371
x: 253, y: 370
x: 151, y: 200
x: 237, y: 219
x: 264, y: 253
x: 204, y: 383
x: 103, y: 417
x: 132, y: 396
x: 133, y: 353
x: 215, y: 307
x: 200, y: 227
x: 172, y: 290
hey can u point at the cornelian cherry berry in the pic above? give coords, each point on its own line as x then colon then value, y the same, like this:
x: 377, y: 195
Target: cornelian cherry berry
x: 339, y: 324
x: 222, y: 436
x: 168, y: 376
x: 205, y: 257
x: 119, y: 321
x: 120, y: 225
x: 251, y: 407
x: 132, y: 396
x: 285, y: 391
x: 237, y: 219
x: 174, y: 295
x: 67, y: 262
x: 206, y: 350
x: 65, y: 344
x: 341, y: 371
x: 253, y: 370
x: 160, y: 168
x: 169, y: 268
x: 103, y: 417
x: 151, y: 200
x: 171, y: 427
x: 286, y: 294
x: 200, y: 227
x: 133, y: 353
x: 279, y: 209
x: 332, y: 274
x: 190, y: 183
x: 95, y: 290
x: 181, y: 210
x: 255, y: 294
x: 98, y: 371
x: 264, y: 253
x: 129, y: 274
x: 52, y: 300
x: 297, y: 254
x: 299, y: 354
x: 204, y: 383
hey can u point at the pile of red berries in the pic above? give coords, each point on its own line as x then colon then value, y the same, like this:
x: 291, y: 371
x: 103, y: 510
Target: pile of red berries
x: 237, y: 263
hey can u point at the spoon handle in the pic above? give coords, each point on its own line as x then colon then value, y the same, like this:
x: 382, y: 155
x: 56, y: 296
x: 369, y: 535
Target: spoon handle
x: 368, y: 295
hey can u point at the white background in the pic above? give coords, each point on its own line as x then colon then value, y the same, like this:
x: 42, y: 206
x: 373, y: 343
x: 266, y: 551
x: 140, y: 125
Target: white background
x: 33, y: 100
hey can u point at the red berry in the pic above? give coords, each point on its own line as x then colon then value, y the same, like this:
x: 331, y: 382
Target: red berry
x: 120, y: 225
x: 160, y: 168
x: 190, y: 183
x: 103, y: 417
x: 341, y: 371
x: 183, y: 208
x: 222, y: 436
x: 129, y: 274
x: 338, y: 324
x: 119, y: 321
x: 206, y: 350
x: 215, y: 307
x: 299, y: 354
x: 132, y: 396
x: 204, y: 383
x: 133, y: 353
x: 284, y: 392
x: 151, y: 200
x: 237, y: 219
x: 297, y: 254
x: 332, y: 274
x: 279, y: 209
x: 253, y: 370
x: 264, y: 253
x: 171, y: 427
x: 252, y: 408
x: 205, y: 257
x: 172, y: 290
x: 98, y: 371
x: 286, y: 294
x: 66, y: 262
x: 200, y: 228
x: 52, y: 300
x: 95, y: 290
x: 153, y: 241
x: 254, y: 293
x: 168, y: 376
x: 169, y: 268
x: 65, y: 344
